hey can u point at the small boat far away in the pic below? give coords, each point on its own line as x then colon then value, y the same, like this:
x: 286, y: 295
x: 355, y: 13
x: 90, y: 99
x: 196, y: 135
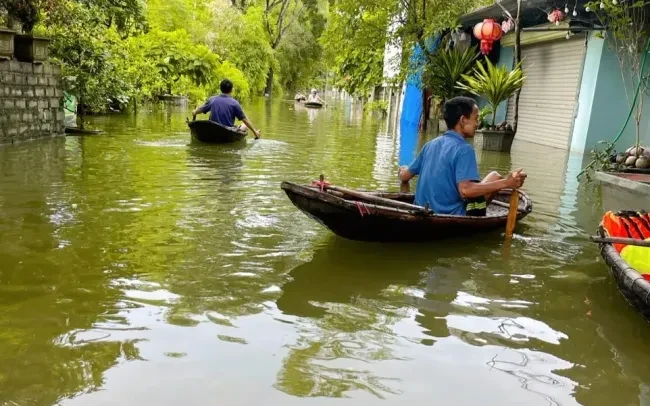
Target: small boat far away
x: 392, y: 216
x: 214, y: 133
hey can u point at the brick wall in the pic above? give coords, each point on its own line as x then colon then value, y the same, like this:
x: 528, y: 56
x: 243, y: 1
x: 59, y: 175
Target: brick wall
x: 31, y: 101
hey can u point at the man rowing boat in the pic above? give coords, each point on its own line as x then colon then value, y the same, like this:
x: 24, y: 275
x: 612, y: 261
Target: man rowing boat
x: 314, y: 97
x: 224, y: 109
x: 449, y: 181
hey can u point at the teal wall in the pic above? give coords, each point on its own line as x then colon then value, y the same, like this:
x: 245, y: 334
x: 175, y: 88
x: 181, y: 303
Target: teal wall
x: 609, y: 107
x: 590, y: 73
x: 506, y: 58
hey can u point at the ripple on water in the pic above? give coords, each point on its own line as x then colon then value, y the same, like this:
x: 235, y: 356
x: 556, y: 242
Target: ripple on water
x: 144, y: 246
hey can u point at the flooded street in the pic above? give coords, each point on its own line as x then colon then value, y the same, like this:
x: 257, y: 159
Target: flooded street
x: 139, y: 268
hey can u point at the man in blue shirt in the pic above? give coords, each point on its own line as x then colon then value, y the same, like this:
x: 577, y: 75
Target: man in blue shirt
x: 224, y: 109
x: 449, y: 181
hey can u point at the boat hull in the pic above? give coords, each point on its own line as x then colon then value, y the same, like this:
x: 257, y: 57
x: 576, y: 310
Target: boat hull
x: 313, y: 105
x: 362, y: 221
x: 207, y: 131
x: 631, y: 284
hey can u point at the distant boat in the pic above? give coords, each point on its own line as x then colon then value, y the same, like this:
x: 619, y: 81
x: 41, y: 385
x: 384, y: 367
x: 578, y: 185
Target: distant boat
x: 80, y: 131
x: 392, y: 216
x: 214, y: 133
x: 313, y: 105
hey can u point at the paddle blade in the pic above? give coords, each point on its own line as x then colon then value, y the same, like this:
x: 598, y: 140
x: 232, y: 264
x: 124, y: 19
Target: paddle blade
x: 404, y: 187
x: 512, y: 213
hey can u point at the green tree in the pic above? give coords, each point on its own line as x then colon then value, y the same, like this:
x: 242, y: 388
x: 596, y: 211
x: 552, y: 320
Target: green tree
x: 84, y: 50
x: 243, y: 42
x: 354, y: 42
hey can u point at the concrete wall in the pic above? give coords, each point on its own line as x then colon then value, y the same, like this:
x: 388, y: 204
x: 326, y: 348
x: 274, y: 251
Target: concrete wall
x: 609, y: 103
x: 31, y: 101
x: 588, y: 84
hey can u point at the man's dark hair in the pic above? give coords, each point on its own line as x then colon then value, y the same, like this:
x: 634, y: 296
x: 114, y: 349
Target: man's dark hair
x: 226, y: 86
x: 457, y: 107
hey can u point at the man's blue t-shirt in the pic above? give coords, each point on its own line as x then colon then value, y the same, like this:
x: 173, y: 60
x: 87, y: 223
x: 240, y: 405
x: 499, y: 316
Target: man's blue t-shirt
x: 223, y: 110
x: 441, y: 165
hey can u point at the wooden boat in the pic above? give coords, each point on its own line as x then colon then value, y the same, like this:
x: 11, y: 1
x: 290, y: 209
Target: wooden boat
x: 214, y: 133
x: 313, y: 105
x: 391, y: 216
x: 631, y: 284
x: 80, y: 131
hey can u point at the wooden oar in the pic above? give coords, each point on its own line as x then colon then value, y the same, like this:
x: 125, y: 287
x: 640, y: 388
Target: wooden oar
x: 404, y: 187
x: 619, y: 240
x: 376, y: 199
x: 512, y: 213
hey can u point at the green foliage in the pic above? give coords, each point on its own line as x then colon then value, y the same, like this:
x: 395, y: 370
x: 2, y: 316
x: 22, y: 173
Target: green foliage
x: 358, y: 32
x: 171, y: 15
x: 119, y: 52
x: 446, y: 70
x: 377, y: 105
x: 87, y: 58
x: 495, y: 84
x: 243, y: 41
x: 354, y: 42
x: 483, y: 114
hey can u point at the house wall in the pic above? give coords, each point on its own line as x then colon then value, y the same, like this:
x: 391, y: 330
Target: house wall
x: 590, y: 75
x: 609, y: 107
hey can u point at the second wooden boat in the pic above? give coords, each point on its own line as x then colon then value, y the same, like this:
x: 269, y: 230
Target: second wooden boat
x: 313, y: 105
x: 351, y: 215
x: 214, y: 133
x: 635, y: 289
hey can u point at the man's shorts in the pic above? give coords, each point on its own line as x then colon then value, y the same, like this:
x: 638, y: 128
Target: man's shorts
x: 476, y: 206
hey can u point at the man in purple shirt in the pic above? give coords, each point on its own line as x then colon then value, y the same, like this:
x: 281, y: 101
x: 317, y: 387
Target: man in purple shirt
x: 224, y: 109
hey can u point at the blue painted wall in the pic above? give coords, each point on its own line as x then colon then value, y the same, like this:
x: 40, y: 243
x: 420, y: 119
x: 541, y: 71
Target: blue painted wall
x: 610, y: 106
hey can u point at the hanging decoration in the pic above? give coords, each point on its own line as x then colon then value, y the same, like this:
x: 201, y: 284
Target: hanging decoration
x: 507, y: 25
x: 487, y: 32
x: 556, y: 16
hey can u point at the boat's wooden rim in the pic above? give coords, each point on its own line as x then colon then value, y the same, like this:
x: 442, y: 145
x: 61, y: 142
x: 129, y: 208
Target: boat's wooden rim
x: 638, y: 285
x: 192, y: 122
x: 314, y: 192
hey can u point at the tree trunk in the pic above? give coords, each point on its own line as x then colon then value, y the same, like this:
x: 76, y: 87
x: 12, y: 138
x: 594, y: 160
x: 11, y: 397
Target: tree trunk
x: 424, y: 117
x: 80, y: 112
x: 269, y: 83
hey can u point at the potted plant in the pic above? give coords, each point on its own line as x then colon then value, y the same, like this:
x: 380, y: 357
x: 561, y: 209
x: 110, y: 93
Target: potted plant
x: 27, y: 47
x: 495, y: 85
x: 443, y: 73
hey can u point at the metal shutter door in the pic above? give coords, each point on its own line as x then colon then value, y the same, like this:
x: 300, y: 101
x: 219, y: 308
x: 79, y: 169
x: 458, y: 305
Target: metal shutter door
x: 547, y: 104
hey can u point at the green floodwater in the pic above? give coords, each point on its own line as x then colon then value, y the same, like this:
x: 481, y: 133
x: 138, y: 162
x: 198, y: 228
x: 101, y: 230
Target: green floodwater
x: 139, y: 269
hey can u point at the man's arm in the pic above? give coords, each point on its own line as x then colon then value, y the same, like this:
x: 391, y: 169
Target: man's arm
x: 201, y: 109
x: 404, y: 174
x: 250, y: 125
x: 469, y: 189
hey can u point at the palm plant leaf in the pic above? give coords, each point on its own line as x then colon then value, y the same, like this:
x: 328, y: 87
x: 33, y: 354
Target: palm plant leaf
x: 494, y: 83
x: 446, y: 69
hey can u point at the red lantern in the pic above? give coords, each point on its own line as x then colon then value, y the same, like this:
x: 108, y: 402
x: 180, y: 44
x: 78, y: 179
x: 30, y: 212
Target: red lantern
x: 487, y: 32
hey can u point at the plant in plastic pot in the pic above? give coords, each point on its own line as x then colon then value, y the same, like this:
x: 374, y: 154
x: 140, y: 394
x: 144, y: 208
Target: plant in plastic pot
x: 495, y: 84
